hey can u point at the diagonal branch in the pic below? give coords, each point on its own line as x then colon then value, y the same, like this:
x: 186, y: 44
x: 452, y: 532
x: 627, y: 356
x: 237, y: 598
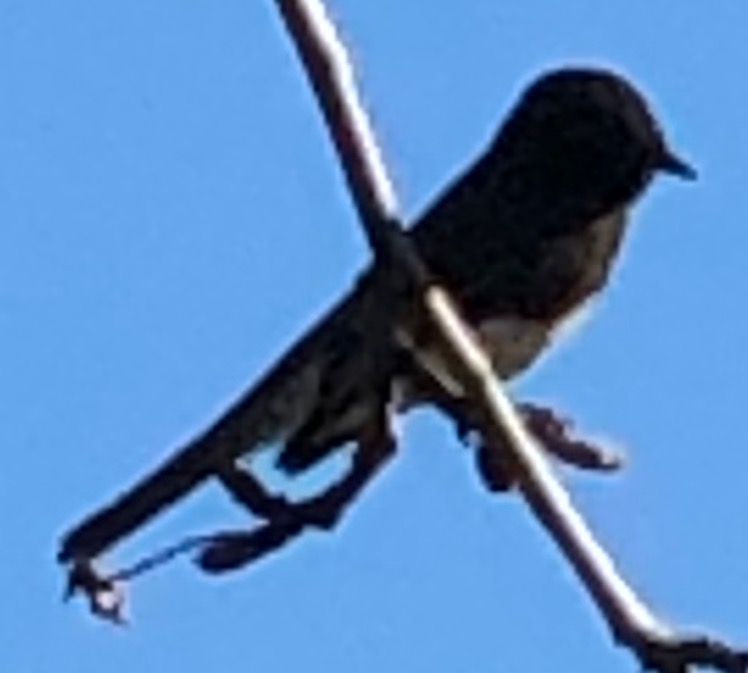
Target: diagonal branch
x: 332, y: 78
x: 630, y: 620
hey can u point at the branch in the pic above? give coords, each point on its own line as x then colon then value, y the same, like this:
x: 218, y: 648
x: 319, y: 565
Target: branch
x: 630, y: 620
x: 332, y: 78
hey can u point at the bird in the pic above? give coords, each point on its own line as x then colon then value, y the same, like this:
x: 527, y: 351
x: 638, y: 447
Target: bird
x: 522, y: 239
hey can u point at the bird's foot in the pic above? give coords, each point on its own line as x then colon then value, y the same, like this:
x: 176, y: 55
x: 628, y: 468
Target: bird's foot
x: 554, y: 433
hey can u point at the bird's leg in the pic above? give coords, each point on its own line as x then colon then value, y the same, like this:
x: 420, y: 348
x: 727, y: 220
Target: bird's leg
x: 550, y: 429
x: 374, y: 448
x: 247, y: 490
x: 553, y: 433
x: 286, y: 520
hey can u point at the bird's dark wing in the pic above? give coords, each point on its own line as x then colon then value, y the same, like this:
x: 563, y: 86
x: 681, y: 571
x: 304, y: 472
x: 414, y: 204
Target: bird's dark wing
x: 272, y: 411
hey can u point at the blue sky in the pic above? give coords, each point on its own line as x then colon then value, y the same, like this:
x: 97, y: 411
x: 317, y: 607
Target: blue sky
x: 171, y: 217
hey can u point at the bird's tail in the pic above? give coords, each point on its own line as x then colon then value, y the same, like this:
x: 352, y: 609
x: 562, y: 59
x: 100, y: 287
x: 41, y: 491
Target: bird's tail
x: 172, y: 481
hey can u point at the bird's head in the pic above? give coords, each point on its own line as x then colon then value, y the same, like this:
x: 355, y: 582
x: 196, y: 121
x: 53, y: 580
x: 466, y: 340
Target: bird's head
x: 587, y: 132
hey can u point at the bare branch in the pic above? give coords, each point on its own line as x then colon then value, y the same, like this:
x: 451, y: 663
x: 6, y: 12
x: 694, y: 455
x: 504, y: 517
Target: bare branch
x: 331, y: 76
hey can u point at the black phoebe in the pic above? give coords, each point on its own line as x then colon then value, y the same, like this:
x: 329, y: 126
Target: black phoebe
x: 521, y: 240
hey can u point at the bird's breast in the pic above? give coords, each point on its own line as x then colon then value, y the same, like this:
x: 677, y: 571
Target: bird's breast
x: 565, y: 273
x: 513, y: 343
x: 576, y: 266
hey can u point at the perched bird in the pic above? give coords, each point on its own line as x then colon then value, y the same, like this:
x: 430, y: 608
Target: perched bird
x: 523, y: 238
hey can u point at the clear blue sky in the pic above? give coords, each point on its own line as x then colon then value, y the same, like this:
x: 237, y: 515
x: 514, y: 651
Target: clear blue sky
x: 171, y: 217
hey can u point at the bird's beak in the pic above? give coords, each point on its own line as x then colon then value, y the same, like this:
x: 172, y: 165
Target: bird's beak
x: 673, y: 164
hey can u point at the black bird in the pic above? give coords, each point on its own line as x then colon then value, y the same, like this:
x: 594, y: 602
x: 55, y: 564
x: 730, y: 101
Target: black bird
x: 521, y: 240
